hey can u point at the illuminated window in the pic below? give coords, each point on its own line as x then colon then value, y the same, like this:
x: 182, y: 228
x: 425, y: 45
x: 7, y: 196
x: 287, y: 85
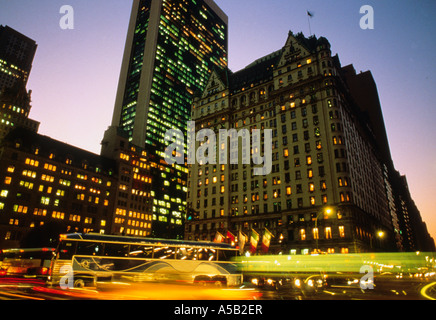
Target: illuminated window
x: 29, y: 173
x: 26, y: 184
x: 88, y: 220
x: 47, y: 178
x: 341, y: 231
x: 312, y: 201
x: 288, y: 191
x: 49, y: 167
x: 40, y: 212
x: 285, y: 152
x: 65, y: 182
x: 342, y: 196
x: 8, y: 180
x: 76, y: 218
x: 31, y: 162
x: 311, y: 187
x: 328, y: 232
x: 310, y: 173
x: 276, y: 193
x: 324, y: 199
x: 344, y: 250
x: 58, y: 215
x: 309, y: 160
x: 315, y: 233
x: 14, y: 222
x: 4, y: 193
x: 20, y: 209
x: 82, y: 176
x: 302, y: 234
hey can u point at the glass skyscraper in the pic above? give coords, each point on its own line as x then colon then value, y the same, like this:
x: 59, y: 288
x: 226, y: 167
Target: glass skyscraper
x: 172, y: 46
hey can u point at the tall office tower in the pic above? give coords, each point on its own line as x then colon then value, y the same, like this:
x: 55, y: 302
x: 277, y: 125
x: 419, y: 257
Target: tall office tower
x: 172, y: 46
x: 16, y: 56
x: 327, y: 189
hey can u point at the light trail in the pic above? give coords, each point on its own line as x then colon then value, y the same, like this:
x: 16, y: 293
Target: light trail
x: 424, y: 291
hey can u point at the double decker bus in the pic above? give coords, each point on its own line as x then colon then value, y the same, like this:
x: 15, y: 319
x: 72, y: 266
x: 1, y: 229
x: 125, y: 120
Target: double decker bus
x: 83, y: 259
x: 26, y: 263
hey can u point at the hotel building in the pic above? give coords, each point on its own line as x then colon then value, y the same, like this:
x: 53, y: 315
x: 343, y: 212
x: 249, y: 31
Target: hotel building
x: 327, y: 188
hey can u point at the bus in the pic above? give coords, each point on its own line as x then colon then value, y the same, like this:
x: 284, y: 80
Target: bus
x: 27, y: 263
x: 84, y: 259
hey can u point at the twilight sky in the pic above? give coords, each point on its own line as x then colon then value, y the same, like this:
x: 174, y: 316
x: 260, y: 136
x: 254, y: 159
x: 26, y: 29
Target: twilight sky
x: 75, y: 72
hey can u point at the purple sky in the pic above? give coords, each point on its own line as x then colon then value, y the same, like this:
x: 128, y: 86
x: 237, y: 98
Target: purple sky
x: 75, y: 72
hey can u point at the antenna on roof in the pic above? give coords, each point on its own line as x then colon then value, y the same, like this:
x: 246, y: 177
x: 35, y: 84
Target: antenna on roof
x: 309, y: 15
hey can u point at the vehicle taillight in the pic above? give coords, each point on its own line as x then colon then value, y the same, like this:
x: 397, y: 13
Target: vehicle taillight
x: 43, y: 271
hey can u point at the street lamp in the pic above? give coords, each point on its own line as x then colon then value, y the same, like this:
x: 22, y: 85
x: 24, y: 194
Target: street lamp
x: 380, y: 234
x: 326, y: 212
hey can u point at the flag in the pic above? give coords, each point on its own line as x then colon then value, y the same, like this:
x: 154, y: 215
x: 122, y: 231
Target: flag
x: 242, y: 238
x: 310, y: 14
x: 231, y: 237
x: 266, y: 240
x: 218, y: 237
x: 253, y: 241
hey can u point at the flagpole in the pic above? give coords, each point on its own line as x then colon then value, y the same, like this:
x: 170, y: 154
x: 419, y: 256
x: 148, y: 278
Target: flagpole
x: 309, y: 15
x: 308, y: 20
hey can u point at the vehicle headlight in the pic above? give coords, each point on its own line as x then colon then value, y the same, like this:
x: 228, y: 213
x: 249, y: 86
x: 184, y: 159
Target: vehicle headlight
x: 297, y: 282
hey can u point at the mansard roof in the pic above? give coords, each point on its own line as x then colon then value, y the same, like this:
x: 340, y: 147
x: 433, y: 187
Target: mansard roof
x: 261, y: 70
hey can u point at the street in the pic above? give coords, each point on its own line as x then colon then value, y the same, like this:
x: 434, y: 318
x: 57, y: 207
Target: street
x: 384, y: 289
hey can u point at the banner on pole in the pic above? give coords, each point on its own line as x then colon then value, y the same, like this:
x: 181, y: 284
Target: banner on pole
x: 254, y: 241
x: 266, y: 240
